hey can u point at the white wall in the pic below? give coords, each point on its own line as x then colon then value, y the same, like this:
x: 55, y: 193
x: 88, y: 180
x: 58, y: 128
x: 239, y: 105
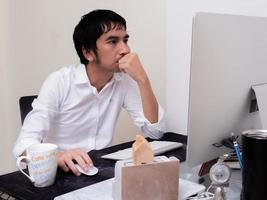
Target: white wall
x: 4, y: 114
x: 178, y: 46
x: 36, y: 39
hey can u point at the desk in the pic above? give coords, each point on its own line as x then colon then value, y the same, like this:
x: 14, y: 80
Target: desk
x: 18, y: 186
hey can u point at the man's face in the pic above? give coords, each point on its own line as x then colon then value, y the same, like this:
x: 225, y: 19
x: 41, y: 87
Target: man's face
x: 111, y: 47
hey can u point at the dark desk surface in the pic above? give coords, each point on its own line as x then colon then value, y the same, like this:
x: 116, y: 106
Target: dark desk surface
x: 17, y: 185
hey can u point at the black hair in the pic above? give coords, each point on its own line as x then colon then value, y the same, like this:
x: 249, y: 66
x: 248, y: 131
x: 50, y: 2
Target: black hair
x: 91, y: 27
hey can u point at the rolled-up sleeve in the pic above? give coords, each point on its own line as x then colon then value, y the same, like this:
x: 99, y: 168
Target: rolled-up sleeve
x: 133, y: 105
x: 155, y: 130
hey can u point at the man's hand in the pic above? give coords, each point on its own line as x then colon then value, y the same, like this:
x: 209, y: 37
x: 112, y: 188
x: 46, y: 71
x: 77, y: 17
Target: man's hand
x: 131, y: 65
x: 66, y: 159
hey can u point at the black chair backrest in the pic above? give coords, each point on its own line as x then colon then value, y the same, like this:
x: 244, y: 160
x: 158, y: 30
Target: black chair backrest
x: 25, y: 105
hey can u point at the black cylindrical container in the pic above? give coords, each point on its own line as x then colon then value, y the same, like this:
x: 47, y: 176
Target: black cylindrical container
x: 254, y: 156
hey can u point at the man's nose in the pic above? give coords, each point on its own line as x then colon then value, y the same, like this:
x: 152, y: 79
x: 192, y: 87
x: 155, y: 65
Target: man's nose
x: 124, y: 49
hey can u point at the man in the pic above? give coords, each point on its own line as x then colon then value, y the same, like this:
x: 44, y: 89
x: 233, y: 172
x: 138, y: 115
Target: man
x: 78, y: 106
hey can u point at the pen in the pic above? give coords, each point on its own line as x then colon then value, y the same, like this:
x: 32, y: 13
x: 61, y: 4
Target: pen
x: 238, y: 154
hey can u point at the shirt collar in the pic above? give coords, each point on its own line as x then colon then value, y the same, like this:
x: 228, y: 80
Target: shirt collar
x: 118, y: 76
x: 81, y: 75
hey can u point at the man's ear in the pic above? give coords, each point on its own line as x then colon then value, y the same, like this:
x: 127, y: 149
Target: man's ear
x: 88, y: 54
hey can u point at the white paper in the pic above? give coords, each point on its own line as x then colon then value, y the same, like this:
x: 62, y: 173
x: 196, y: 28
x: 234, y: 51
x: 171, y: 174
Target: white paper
x: 98, y: 191
x: 261, y: 96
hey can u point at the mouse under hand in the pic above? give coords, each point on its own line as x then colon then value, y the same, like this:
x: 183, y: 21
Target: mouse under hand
x: 93, y: 170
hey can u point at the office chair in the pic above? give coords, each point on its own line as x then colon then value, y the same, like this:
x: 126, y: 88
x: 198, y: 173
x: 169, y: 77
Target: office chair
x: 25, y: 105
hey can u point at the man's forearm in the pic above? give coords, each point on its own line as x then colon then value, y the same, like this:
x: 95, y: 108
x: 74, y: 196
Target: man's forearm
x: 149, y: 101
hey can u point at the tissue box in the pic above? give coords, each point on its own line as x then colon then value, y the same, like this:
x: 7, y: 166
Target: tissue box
x: 158, y: 180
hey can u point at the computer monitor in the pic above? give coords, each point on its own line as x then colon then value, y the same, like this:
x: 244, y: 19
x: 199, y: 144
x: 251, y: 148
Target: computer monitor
x: 229, y: 55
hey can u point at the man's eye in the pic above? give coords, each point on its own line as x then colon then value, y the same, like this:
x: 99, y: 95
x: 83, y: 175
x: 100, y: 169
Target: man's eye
x: 112, y: 41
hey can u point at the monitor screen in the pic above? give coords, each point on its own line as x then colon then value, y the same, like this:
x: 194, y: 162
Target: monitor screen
x: 229, y: 55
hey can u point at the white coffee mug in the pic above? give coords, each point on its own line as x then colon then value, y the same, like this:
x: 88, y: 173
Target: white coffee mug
x: 42, y: 164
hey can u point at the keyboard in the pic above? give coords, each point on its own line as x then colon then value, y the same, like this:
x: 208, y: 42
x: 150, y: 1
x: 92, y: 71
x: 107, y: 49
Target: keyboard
x: 158, y: 147
x: 5, y: 196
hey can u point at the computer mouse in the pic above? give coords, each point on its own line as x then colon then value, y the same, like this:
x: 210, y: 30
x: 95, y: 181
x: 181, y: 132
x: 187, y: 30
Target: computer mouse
x: 93, y: 170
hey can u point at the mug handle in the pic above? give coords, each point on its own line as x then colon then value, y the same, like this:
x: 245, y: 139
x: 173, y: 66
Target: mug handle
x: 18, y: 166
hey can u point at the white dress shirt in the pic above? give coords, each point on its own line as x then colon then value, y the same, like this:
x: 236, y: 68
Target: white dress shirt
x: 71, y: 113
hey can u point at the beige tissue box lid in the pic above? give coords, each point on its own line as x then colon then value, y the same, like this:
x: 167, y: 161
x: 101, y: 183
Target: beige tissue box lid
x: 155, y: 181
